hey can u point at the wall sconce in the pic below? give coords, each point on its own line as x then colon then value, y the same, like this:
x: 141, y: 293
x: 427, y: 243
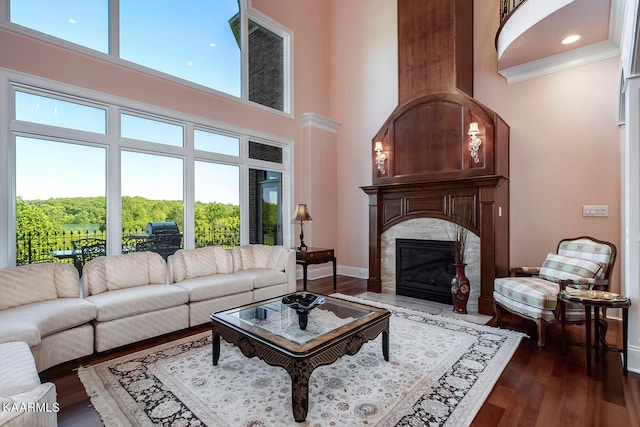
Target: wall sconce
x: 475, y: 142
x: 302, y: 214
x: 380, y: 157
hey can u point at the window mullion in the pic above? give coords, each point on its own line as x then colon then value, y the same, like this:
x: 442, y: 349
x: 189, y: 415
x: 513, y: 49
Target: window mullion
x: 8, y: 176
x: 188, y: 238
x: 114, y: 28
x: 113, y: 191
x: 244, y: 51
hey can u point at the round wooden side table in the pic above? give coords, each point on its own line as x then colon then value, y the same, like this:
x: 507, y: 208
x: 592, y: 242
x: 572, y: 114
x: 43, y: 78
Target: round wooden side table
x: 595, y: 300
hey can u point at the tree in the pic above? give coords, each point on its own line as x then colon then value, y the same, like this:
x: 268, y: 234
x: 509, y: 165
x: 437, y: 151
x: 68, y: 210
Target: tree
x: 35, y: 233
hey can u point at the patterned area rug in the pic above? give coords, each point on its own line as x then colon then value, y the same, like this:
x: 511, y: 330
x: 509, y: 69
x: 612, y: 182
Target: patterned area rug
x: 440, y: 372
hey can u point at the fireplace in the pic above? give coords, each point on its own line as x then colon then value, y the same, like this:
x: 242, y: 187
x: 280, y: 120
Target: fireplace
x: 424, y: 269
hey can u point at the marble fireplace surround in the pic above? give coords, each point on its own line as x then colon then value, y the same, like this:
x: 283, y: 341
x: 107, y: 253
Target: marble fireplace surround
x: 427, y: 229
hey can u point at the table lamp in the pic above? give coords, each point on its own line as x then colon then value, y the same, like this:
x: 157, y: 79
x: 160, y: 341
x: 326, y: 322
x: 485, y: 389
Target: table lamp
x: 302, y: 214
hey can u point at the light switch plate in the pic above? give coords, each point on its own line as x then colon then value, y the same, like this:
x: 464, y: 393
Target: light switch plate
x: 595, y: 210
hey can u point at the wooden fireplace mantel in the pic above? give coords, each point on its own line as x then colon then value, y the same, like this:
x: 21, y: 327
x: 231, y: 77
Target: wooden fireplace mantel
x: 429, y: 173
x: 487, y: 201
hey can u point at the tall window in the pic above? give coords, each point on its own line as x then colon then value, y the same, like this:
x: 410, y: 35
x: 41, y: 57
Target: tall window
x: 217, y: 204
x: 60, y: 198
x: 196, y: 41
x: 151, y: 187
x: 265, y: 208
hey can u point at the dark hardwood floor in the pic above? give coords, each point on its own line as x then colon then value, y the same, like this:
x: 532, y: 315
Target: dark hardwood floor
x: 536, y: 388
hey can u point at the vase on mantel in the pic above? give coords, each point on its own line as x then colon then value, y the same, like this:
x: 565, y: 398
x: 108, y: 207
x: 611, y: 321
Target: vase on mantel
x: 460, y: 288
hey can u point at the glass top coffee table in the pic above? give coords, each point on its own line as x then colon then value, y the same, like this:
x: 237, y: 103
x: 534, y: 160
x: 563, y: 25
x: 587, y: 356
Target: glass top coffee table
x: 272, y: 331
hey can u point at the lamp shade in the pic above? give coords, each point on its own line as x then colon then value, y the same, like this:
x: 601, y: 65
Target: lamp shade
x: 378, y: 146
x: 302, y: 213
x: 473, y: 128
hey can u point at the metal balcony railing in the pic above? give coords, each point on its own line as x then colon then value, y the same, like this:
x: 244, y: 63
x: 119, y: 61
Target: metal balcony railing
x: 59, y: 247
x: 508, y: 6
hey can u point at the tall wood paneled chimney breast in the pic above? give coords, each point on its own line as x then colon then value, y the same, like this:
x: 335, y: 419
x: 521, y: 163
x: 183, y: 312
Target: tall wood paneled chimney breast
x: 423, y: 157
x: 435, y: 47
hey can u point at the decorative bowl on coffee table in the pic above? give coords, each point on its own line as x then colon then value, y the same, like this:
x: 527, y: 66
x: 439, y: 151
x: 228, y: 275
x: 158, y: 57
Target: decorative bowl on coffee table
x: 303, y: 304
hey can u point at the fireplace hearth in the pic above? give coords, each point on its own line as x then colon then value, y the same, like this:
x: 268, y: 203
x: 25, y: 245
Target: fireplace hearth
x: 424, y: 269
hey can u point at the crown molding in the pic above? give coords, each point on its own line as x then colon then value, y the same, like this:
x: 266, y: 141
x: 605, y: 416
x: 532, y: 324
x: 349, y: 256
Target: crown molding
x: 562, y: 61
x: 320, y: 122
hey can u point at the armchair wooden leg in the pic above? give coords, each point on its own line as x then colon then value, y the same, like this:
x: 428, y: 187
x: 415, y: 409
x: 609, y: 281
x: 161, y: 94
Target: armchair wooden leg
x: 541, y: 331
x: 496, y: 310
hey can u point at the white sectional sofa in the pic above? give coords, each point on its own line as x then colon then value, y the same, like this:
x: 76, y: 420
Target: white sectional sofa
x: 128, y: 298
x: 48, y: 317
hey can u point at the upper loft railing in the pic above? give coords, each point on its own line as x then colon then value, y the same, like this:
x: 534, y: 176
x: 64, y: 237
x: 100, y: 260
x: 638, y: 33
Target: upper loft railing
x: 508, y: 6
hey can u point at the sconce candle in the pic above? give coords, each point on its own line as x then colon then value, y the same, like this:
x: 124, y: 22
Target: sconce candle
x: 475, y: 142
x: 380, y: 157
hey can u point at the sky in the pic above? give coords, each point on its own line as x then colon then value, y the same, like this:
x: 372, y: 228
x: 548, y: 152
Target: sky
x: 196, y: 44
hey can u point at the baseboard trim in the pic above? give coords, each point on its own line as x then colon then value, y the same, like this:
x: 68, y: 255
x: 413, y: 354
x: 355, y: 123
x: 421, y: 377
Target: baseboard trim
x: 633, y: 364
x: 314, y: 272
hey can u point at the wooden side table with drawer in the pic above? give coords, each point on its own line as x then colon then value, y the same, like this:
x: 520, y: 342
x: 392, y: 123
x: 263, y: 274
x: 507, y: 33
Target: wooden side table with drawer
x: 315, y: 256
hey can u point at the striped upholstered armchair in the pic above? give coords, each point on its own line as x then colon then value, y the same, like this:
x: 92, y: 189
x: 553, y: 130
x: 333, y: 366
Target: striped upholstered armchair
x: 531, y: 292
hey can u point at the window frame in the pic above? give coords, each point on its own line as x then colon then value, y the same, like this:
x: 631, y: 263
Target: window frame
x: 114, y: 144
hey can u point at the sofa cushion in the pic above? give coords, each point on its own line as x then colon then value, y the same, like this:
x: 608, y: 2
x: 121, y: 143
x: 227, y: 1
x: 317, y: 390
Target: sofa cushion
x: 242, y: 258
x: 586, y: 248
x: 27, y: 284
x: 48, y: 317
x: 127, y: 302
x: 215, y: 286
x: 18, y: 369
x: 278, y: 258
x: 190, y: 263
x: 559, y: 267
x: 263, y: 277
x: 259, y: 256
x: 124, y: 271
x: 200, y: 262
x: 531, y: 291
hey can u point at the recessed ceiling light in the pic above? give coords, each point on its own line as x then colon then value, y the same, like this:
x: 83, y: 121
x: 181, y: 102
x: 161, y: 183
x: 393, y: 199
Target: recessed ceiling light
x: 571, y: 39
x: 212, y: 44
x: 72, y: 21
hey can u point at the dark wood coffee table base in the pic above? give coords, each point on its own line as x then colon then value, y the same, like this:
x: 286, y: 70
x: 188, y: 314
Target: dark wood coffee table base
x: 300, y: 366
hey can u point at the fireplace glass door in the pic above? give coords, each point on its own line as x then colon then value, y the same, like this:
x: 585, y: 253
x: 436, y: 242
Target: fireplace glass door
x: 424, y: 269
